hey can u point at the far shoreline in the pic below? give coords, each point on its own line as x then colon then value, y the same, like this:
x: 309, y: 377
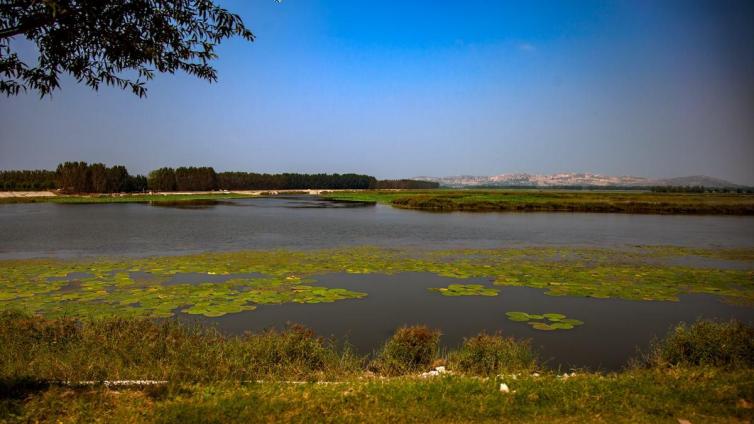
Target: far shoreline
x: 445, y: 200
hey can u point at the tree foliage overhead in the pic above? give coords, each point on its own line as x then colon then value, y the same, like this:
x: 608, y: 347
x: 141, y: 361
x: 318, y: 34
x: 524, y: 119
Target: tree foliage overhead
x: 114, y: 42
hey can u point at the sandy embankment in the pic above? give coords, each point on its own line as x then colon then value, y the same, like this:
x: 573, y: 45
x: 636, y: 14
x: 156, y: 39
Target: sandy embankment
x: 27, y: 194
x: 6, y: 194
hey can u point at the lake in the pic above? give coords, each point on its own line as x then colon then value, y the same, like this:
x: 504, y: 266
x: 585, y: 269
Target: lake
x: 613, y: 329
x: 32, y: 230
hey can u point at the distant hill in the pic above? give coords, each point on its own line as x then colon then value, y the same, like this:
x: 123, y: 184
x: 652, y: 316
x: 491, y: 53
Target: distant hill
x: 568, y: 179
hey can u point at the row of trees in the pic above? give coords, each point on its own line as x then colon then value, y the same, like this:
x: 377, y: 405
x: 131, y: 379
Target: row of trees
x: 27, y: 180
x: 701, y: 189
x: 81, y: 177
x: 183, y: 179
x: 289, y: 181
x: 406, y: 184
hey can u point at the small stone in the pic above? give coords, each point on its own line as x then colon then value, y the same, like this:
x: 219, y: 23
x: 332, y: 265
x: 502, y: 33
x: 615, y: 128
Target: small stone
x: 504, y: 388
x: 440, y: 370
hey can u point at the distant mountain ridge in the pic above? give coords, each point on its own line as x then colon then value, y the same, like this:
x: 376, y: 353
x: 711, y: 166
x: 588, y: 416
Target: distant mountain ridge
x: 566, y: 179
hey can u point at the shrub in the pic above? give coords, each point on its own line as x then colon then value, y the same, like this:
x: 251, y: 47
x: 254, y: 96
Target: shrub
x: 492, y: 354
x: 705, y: 343
x: 410, y: 349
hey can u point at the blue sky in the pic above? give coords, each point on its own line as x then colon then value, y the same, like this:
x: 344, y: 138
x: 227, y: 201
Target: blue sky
x: 400, y: 89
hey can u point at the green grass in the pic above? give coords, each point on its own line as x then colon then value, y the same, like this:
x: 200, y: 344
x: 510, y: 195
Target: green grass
x: 208, y: 377
x: 33, y: 348
x: 700, y: 396
x: 126, y: 198
x: 558, y: 201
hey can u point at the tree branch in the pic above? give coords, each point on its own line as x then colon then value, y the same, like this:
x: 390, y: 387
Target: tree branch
x: 33, y: 23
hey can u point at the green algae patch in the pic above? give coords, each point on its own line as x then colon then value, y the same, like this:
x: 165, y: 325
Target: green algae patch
x: 466, y: 290
x: 544, y: 322
x: 116, y: 286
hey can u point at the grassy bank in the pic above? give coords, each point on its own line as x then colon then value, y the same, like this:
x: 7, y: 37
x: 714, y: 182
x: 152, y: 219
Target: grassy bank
x: 558, y: 201
x: 699, y: 396
x: 702, y: 373
x: 125, y: 198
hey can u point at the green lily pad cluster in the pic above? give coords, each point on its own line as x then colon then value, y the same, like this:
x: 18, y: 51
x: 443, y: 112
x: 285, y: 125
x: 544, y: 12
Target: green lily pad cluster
x: 113, y: 286
x: 466, y: 290
x: 545, y: 322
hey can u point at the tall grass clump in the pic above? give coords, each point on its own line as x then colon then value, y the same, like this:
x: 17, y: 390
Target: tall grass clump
x: 492, y: 354
x: 36, y: 348
x: 409, y: 350
x: 705, y: 343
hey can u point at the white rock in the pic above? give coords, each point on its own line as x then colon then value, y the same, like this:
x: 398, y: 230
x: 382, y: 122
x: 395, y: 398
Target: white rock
x: 536, y: 374
x: 432, y: 373
x: 440, y: 370
x: 504, y: 388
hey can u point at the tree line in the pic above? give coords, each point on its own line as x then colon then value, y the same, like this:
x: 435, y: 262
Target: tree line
x: 81, y: 177
x: 701, y: 189
x: 27, y: 180
x: 290, y: 181
x: 406, y: 184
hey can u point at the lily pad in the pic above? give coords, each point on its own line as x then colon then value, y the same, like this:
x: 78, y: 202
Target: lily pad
x: 544, y: 322
x: 542, y: 326
x: 466, y: 290
x: 518, y: 316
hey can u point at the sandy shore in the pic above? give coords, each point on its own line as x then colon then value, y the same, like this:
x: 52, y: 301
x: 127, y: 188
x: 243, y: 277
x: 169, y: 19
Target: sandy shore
x: 27, y: 194
x: 7, y: 194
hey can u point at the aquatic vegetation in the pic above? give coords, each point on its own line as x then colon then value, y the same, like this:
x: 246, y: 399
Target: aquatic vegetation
x: 557, y: 201
x: 466, y: 290
x: 138, y: 286
x: 537, y: 321
x: 117, y: 294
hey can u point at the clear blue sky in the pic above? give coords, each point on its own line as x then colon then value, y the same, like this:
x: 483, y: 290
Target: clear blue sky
x: 406, y: 88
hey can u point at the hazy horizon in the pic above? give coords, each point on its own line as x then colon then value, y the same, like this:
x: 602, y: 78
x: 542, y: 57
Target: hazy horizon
x: 648, y: 89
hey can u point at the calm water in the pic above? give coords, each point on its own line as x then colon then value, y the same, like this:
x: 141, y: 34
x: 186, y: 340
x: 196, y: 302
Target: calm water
x: 612, y: 332
x: 613, y: 329
x: 31, y: 230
